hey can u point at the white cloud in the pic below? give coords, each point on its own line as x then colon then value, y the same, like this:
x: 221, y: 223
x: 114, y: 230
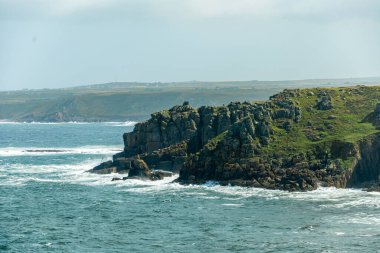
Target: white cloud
x: 62, y: 7
x: 200, y: 8
x: 37, y: 8
x: 284, y: 8
x: 217, y: 8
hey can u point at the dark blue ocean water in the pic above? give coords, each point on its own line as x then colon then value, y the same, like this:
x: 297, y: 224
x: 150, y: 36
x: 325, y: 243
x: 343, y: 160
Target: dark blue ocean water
x: 48, y: 203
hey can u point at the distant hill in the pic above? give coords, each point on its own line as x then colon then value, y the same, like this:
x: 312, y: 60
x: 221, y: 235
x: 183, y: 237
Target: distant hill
x: 123, y: 101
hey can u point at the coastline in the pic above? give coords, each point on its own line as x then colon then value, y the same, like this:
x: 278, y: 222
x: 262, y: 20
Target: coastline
x: 294, y: 141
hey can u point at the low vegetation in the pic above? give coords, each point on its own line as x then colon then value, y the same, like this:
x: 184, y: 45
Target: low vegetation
x: 136, y: 101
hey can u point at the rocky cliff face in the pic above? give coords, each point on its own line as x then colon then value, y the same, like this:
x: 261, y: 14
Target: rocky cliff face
x: 366, y: 166
x: 198, y: 126
x: 295, y: 141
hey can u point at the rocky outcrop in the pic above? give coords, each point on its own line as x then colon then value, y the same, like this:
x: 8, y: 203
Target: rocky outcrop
x: 173, y: 138
x: 287, y: 142
x: 374, y: 117
x: 324, y: 101
x: 134, y: 167
x: 162, y: 130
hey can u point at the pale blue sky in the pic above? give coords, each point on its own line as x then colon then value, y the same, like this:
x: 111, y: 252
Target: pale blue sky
x: 49, y: 44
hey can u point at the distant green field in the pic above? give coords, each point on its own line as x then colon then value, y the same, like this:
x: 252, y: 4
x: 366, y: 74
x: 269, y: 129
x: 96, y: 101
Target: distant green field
x: 136, y: 101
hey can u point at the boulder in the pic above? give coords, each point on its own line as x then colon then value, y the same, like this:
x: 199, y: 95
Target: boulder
x: 104, y: 168
x: 138, y: 168
x: 324, y: 102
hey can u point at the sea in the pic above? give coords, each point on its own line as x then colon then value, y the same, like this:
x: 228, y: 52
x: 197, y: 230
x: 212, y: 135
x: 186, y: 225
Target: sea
x: 49, y: 203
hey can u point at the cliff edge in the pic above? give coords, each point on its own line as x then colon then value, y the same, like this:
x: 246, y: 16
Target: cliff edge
x: 295, y: 141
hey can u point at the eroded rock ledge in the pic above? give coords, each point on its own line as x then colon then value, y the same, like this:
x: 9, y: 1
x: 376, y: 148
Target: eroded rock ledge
x: 295, y: 141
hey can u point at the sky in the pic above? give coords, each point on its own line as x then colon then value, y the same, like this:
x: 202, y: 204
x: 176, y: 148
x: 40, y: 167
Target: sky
x: 61, y: 43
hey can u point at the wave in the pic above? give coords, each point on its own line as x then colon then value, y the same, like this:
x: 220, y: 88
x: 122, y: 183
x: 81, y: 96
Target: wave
x: 42, y: 123
x: 126, y: 123
x: 147, y: 186
x: 9, y: 122
x: 322, y: 194
x: 18, y: 174
x: 27, y: 169
x: 21, y: 174
x: 30, y: 151
x: 110, y: 123
x: 360, y: 218
x: 323, y: 197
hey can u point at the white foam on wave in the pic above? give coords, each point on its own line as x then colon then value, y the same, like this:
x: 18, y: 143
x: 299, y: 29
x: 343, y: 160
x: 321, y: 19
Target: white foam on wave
x: 324, y: 197
x: 19, y: 168
x: 43, y: 123
x: 9, y: 122
x: 207, y: 190
x: 233, y: 204
x: 330, y: 194
x: 362, y: 219
x: 57, y: 123
x: 126, y: 123
x: 364, y: 199
x: 147, y: 186
x: 110, y: 123
x: 30, y: 151
x: 360, y: 216
x: 20, y: 174
x: 12, y: 181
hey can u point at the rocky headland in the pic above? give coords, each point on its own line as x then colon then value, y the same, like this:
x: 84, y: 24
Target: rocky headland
x: 295, y: 141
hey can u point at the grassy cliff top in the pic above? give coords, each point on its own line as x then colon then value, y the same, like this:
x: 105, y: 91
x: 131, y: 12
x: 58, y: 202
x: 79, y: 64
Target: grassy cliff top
x: 344, y: 121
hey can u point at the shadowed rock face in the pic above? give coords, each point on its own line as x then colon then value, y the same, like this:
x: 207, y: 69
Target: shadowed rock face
x: 239, y: 144
x: 162, y: 130
x: 233, y: 161
x: 367, y: 164
x: 172, y: 138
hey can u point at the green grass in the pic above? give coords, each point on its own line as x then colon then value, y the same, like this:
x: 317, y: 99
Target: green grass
x: 211, y: 144
x: 136, y: 101
x: 350, y: 106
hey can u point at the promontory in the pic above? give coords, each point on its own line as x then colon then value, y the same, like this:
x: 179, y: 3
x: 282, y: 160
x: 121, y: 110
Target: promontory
x: 297, y: 140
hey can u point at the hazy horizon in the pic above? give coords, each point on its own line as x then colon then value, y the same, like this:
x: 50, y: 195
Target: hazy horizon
x: 372, y: 80
x: 80, y: 42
